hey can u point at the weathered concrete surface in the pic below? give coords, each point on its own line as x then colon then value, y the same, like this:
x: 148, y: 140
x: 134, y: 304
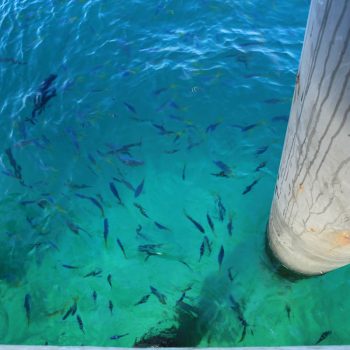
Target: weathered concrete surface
x: 309, y: 229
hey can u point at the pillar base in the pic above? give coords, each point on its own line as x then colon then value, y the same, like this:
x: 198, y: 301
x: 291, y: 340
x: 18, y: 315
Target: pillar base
x: 305, y: 254
x: 278, y: 268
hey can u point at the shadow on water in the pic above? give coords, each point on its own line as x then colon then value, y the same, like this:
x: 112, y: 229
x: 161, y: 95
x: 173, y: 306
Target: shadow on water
x: 12, y: 270
x: 194, y: 323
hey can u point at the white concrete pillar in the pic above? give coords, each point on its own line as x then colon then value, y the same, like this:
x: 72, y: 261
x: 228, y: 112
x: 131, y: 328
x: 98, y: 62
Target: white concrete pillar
x: 309, y: 228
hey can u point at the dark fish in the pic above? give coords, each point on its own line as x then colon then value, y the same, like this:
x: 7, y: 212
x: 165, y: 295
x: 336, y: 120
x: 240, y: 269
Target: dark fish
x: 184, y: 172
x: 100, y: 198
x: 323, y: 336
x: 139, y: 233
x: 116, y: 337
x: 195, y: 223
x: 109, y: 279
x: 181, y: 299
x: 105, y: 230
x: 93, y: 201
x: 207, y: 243
x: 80, y: 323
x: 162, y: 129
x: 110, y: 306
x: 17, y: 169
x: 229, y: 226
x: 74, y: 186
x: 43, y: 203
x: 142, y: 210
x: 25, y: 142
x: 73, y: 227
x: 273, y: 100
x: 224, y: 167
x: 31, y: 223
x: 249, y: 187
x: 43, y: 96
x: 201, y: 250
x: 193, y: 144
x: 261, y: 150
x: 71, y: 311
x: 150, y: 249
x: 288, y: 310
x: 245, y: 128
x: 173, y: 104
x: 70, y: 266
x: 244, y: 331
x: 172, y: 116
x: 161, y: 227
x: 161, y: 297
x: 221, y: 208
x: 8, y: 173
x: 220, y: 174
x: 121, y: 247
x: 162, y: 106
x: 143, y: 300
x: 130, y: 161
x: 130, y: 107
x: 260, y: 166
x: 249, y: 127
x: 115, y: 192
x: 27, y: 202
x: 185, y: 263
x: 138, y: 229
x: 187, y: 288
x: 159, y: 91
x: 229, y: 273
x: 221, y: 256
x: 74, y: 308
x: 250, y: 43
x: 210, y: 223
x: 27, y: 306
x: 47, y: 83
x: 235, y: 305
x: 47, y: 244
x: 237, y: 308
x: 147, y: 247
x: 39, y: 107
x: 212, y: 127
x: 93, y: 273
x: 172, y: 151
x: 126, y: 183
x: 177, y: 137
x: 92, y: 159
x: 121, y: 149
x: 280, y: 118
x: 139, y: 189
x: 94, y: 296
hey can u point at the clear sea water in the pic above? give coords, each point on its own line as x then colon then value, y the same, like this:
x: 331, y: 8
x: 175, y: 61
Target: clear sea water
x: 177, y: 107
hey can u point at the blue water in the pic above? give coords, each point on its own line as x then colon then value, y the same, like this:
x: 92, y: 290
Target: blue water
x: 183, y: 107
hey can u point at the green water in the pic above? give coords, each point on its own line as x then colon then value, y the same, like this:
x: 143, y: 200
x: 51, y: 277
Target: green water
x: 202, y: 91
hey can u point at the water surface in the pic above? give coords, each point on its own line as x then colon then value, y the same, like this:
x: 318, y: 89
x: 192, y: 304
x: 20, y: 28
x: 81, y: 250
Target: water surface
x: 179, y: 108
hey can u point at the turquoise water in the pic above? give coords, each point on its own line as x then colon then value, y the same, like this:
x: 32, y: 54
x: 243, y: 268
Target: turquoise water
x: 179, y: 108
